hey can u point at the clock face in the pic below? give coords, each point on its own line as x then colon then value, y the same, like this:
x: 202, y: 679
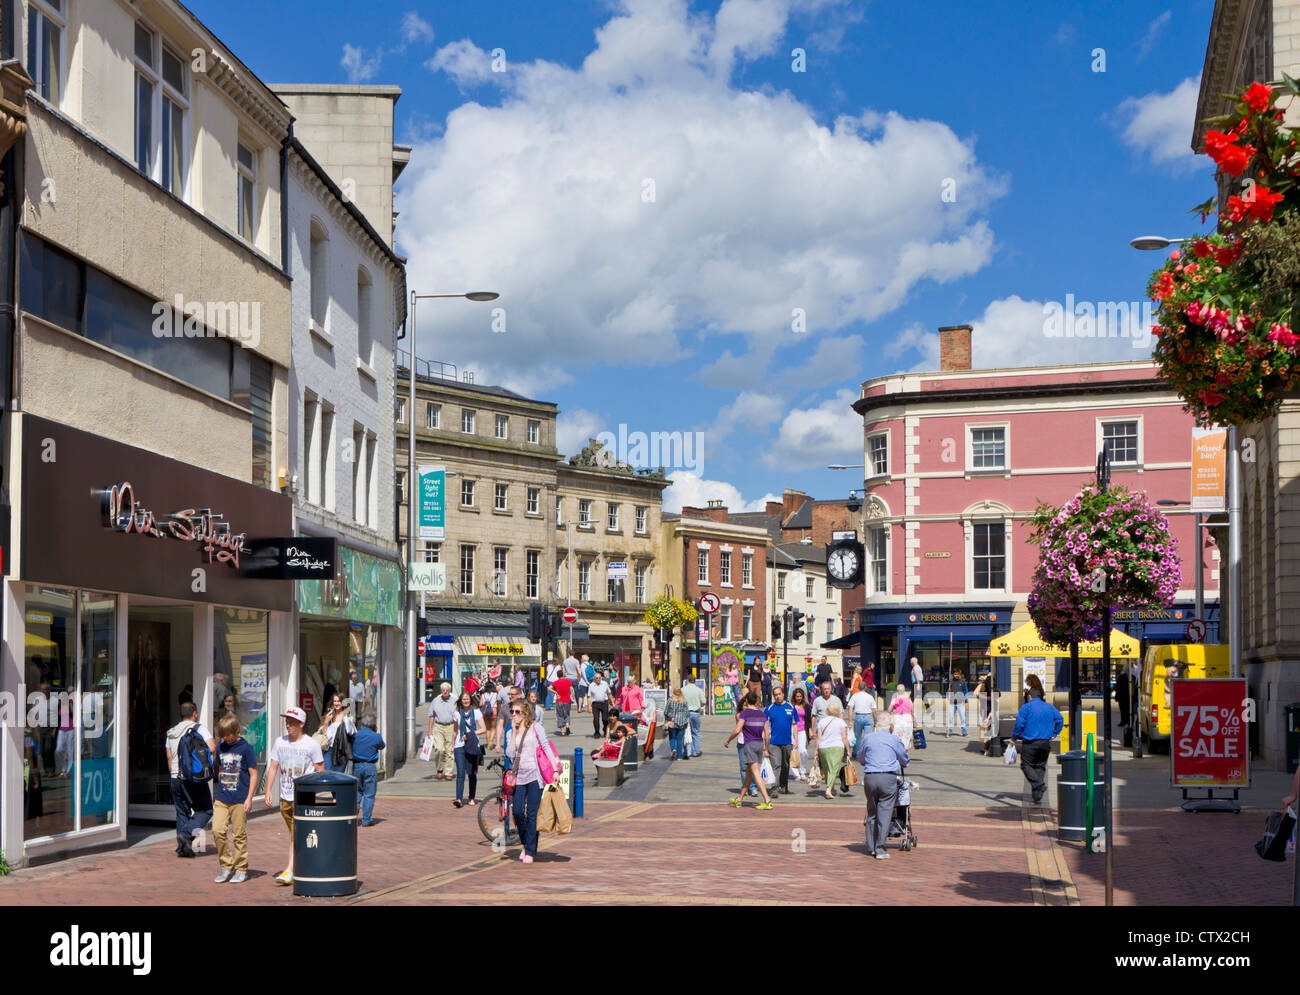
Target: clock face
x: 843, y: 563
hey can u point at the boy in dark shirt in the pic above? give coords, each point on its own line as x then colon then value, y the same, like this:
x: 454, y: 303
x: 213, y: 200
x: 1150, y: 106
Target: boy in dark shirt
x: 236, y: 776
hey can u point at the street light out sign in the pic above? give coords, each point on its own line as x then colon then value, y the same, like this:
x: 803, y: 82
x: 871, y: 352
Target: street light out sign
x: 709, y: 603
x: 1209, y: 477
x: 432, y: 495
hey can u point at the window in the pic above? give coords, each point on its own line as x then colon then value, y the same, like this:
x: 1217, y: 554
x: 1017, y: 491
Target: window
x: 584, y: 580
x: 702, y: 565
x: 246, y: 167
x: 724, y: 570
x: 532, y: 568
x: 326, y: 458
x: 365, y: 316
x: 502, y: 426
x: 559, y: 511
x: 45, y: 47
x: 611, y: 516
x: 989, y: 556
x: 724, y: 622
x: 640, y: 520
x: 467, y: 493
x: 747, y: 569
x: 499, y: 497
x: 877, y: 555
x: 466, y: 569
x: 584, y: 512
x: 878, y: 454
x: 534, y: 500
x: 614, y: 590
x: 988, y: 448
x: 810, y: 586
x: 640, y: 585
x: 360, y: 487
x: 401, y: 409
x: 808, y: 631
x: 747, y: 622
x: 433, y: 416
x: 261, y: 382
x: 499, y: 576
x: 780, y: 587
x: 830, y: 629
x: 317, y: 425
x: 467, y: 421
x: 400, y: 480
x: 161, y: 94
x: 1120, y: 439
x: 534, y: 431
x: 432, y: 551
x: 174, y: 106
x: 319, y: 270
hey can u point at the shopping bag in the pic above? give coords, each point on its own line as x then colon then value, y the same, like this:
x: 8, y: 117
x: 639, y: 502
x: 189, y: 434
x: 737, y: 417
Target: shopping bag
x: 767, y: 773
x: 686, y: 739
x: 918, y: 739
x: 1009, y: 757
x: 1277, y: 830
x: 546, y: 816
x: 426, y: 749
x: 850, y: 774
x: 563, y: 814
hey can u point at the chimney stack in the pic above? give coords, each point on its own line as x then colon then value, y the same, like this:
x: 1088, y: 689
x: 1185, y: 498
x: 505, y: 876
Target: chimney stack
x: 954, y: 348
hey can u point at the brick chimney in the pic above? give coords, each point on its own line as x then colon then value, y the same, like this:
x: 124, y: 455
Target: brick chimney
x: 792, y: 501
x: 772, y: 508
x: 954, y: 348
x: 715, y: 511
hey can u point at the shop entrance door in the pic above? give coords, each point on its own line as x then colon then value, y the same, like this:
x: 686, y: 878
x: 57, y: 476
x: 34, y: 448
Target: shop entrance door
x: 160, y: 670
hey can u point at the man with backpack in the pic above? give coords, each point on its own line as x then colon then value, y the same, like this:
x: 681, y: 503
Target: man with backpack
x: 190, y: 746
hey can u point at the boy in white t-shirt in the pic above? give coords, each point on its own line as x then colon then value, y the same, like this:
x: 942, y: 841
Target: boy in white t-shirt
x: 291, y: 756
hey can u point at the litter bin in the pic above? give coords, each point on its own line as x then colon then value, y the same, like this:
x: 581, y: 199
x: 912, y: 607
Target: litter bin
x: 1292, y: 737
x: 325, y: 834
x: 630, y: 757
x: 1072, y: 795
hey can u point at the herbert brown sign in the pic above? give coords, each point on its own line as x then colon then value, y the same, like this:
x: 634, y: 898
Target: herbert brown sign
x: 102, y: 515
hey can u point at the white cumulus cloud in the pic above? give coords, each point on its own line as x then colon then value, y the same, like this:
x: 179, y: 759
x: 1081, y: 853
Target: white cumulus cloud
x: 415, y: 28
x: 1160, y: 125
x: 574, y: 428
x: 359, y: 67
x: 694, y: 491
x: 830, y: 432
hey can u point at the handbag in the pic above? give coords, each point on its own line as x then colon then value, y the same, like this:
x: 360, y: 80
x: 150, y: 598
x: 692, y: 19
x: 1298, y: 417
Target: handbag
x: 548, y: 768
x: 1277, y: 831
x: 472, y: 748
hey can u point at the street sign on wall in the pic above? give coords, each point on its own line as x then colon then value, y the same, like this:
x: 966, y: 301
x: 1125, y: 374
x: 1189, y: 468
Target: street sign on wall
x: 426, y: 576
x: 616, y: 571
x: 432, y: 494
x: 1208, y: 733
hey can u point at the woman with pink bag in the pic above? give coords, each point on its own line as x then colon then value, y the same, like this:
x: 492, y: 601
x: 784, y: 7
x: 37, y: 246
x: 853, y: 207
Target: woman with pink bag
x: 533, y: 765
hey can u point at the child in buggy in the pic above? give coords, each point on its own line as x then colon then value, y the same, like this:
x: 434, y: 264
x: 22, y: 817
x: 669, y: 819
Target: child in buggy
x: 900, y: 827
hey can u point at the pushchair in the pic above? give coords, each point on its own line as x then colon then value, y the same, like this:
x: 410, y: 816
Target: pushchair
x: 901, y: 835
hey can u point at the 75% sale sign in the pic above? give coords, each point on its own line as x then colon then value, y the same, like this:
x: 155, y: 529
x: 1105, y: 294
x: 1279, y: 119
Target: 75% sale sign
x: 1209, y: 729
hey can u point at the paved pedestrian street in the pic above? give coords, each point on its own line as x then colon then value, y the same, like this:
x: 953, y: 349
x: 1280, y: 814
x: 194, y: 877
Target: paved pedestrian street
x: 666, y: 836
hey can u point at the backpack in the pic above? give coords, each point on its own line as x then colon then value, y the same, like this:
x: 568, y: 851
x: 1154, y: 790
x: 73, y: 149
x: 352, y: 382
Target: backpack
x: 487, y: 703
x: 193, y: 758
x: 341, y: 750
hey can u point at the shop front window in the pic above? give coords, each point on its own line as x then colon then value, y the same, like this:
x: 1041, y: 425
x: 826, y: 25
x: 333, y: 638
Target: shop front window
x: 239, y: 674
x: 968, y: 657
x: 70, y: 666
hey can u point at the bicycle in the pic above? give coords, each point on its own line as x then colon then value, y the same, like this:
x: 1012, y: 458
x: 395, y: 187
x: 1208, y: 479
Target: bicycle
x: 494, y: 817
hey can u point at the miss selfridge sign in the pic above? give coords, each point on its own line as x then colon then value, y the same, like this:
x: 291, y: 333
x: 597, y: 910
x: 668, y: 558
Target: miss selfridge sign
x: 101, y: 515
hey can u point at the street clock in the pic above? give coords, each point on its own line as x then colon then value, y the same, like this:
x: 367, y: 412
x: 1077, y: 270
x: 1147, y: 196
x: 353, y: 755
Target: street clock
x: 844, y: 559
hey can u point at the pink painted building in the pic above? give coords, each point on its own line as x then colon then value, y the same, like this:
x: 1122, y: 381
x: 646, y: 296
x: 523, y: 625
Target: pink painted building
x: 956, y: 463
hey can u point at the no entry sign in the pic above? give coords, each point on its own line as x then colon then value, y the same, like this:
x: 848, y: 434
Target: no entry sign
x: 570, y: 614
x: 1208, y: 735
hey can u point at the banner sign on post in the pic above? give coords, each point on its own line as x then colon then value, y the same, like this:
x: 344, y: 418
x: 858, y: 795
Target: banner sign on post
x: 616, y: 571
x: 1208, y: 731
x: 1209, y: 487
x: 433, y: 506
x: 431, y: 577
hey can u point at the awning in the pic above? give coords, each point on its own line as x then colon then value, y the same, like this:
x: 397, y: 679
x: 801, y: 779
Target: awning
x: 1025, y: 641
x: 849, y: 641
x: 486, y: 623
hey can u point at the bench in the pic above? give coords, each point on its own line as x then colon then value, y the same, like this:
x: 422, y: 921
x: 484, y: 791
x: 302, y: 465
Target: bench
x: 612, y: 773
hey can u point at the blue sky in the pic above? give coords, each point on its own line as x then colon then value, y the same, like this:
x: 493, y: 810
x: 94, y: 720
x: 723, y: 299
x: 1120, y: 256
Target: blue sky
x: 690, y: 235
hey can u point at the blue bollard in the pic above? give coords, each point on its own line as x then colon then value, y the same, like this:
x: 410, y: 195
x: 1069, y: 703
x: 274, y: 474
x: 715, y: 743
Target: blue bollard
x: 577, y: 782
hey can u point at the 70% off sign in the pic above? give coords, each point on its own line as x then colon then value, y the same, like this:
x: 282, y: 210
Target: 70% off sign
x: 1209, y: 732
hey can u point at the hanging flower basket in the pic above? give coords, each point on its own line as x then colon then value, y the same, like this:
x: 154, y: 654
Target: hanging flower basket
x: 1116, y: 532
x: 1226, y: 335
x: 669, y: 613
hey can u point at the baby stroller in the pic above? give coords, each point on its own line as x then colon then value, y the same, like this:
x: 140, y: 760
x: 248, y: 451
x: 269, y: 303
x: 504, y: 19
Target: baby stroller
x: 900, y: 827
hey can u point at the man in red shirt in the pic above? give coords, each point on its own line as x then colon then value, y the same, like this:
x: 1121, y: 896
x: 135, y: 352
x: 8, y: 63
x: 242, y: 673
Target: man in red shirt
x: 563, y: 691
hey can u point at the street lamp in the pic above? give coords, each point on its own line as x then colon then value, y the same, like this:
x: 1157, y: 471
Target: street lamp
x: 411, y: 481
x: 1234, y: 509
x: 1200, y: 554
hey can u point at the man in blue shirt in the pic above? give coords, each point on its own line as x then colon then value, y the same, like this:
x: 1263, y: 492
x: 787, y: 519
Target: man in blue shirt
x: 883, y: 758
x: 365, y: 755
x: 782, y: 719
x: 1037, y: 724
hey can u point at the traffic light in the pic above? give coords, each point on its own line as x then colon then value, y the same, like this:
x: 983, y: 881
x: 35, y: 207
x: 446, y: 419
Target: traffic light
x: 552, y: 625
x: 776, y: 629
x: 666, y: 635
x: 796, y: 625
x: 536, y: 622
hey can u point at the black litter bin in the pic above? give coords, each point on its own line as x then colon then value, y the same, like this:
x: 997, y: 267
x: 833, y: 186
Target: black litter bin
x: 325, y: 834
x: 1292, y: 737
x: 630, y: 757
x: 1072, y: 795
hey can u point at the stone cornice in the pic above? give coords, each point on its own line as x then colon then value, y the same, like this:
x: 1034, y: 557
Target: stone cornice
x: 270, y: 113
x: 14, y: 84
x: 369, y: 245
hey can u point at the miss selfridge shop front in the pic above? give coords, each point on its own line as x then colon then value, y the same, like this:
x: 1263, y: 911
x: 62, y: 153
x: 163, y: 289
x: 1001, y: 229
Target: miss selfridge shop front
x: 133, y: 594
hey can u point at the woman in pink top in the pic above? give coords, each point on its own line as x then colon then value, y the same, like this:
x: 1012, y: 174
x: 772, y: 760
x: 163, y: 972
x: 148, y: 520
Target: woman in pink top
x: 901, y: 706
x: 799, y: 699
x: 631, y: 700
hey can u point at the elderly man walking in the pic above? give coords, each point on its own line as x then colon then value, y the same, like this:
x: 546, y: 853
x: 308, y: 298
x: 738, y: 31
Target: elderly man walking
x: 442, y: 727
x: 883, y: 758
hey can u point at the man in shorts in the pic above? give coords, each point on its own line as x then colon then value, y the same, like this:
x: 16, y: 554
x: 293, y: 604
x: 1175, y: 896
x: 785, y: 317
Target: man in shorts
x: 292, y: 755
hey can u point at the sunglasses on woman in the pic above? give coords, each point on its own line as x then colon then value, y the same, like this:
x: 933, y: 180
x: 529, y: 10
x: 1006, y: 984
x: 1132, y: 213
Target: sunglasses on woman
x: 515, y: 711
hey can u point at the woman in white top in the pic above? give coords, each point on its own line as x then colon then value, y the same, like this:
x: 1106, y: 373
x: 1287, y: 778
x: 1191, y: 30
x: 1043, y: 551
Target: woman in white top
x: 526, y: 737
x: 832, y: 743
x: 338, y: 717
x: 469, y: 718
